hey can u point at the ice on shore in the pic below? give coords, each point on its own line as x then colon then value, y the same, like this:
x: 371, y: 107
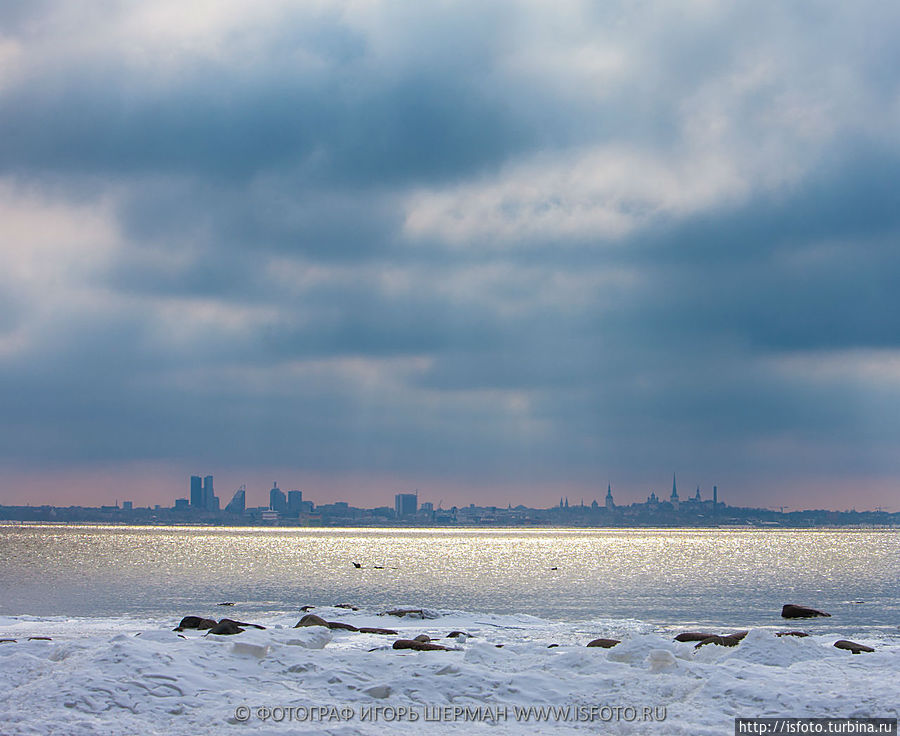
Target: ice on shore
x: 127, y: 676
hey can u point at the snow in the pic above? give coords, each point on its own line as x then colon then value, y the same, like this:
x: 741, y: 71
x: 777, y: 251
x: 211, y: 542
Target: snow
x: 123, y: 676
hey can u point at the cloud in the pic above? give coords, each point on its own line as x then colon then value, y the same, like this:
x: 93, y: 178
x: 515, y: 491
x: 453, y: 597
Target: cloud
x: 505, y: 244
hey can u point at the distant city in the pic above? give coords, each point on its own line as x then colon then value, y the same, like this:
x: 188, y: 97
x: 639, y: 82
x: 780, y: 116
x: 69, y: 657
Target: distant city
x: 290, y: 509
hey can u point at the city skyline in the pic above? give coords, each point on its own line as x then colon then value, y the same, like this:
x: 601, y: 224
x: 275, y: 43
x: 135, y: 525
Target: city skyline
x: 486, y: 249
x: 263, y: 496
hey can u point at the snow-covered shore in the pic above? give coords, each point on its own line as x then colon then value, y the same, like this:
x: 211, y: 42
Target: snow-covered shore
x: 129, y: 676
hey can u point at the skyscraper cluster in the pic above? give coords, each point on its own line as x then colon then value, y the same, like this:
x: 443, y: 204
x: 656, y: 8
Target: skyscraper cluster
x: 202, y: 496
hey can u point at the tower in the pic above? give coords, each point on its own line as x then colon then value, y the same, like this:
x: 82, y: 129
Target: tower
x: 210, y: 502
x: 674, y: 497
x: 238, y: 501
x: 196, y: 492
x: 610, y: 504
x: 277, y: 499
x: 295, y: 501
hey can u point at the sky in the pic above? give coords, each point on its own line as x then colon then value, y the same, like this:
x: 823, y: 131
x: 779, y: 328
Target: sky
x: 496, y: 252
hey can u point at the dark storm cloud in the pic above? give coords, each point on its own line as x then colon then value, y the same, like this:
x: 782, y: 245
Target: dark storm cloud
x: 268, y: 303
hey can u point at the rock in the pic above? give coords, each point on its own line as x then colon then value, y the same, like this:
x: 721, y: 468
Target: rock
x: 693, y: 636
x: 401, y: 612
x: 243, y: 623
x: 340, y: 625
x: 195, y: 622
x: 604, y: 643
x: 419, y: 646
x: 39, y: 638
x: 789, y: 610
x: 852, y: 646
x: 306, y: 608
x: 422, y: 637
x: 310, y: 619
x: 357, y: 565
x: 553, y: 646
x: 731, y: 640
x: 349, y: 606
x: 227, y: 603
x: 7, y: 641
x: 791, y: 633
x: 454, y: 634
x: 225, y: 627
x: 373, y: 630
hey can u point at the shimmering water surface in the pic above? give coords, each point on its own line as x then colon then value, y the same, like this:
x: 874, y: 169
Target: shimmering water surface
x: 672, y: 576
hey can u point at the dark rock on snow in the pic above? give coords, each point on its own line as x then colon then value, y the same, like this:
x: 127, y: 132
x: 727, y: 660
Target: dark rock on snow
x: 604, y: 643
x: 341, y: 625
x: 693, y: 636
x: 852, y: 646
x: 310, y: 619
x: 243, y: 623
x: 419, y: 646
x: 226, y: 627
x: 195, y: 622
x: 792, y: 633
x: 789, y: 610
x: 416, y: 612
x: 374, y: 630
x: 729, y: 640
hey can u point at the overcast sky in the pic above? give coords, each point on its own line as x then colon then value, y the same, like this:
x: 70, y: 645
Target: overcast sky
x: 499, y: 252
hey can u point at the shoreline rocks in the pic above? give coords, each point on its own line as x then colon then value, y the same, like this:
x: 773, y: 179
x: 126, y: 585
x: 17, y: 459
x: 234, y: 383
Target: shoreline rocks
x: 789, y: 610
x: 728, y: 640
x: 852, y: 646
x: 419, y: 646
x: 693, y: 636
x: 604, y: 643
x: 195, y: 622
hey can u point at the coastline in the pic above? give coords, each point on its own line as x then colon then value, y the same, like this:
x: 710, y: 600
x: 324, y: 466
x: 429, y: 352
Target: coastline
x: 123, y: 675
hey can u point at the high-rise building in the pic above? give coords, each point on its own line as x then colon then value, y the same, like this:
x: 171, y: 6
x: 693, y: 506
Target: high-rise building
x: 127, y: 506
x: 406, y: 504
x: 294, y: 501
x: 210, y: 502
x: 277, y: 499
x: 238, y: 502
x: 196, y: 492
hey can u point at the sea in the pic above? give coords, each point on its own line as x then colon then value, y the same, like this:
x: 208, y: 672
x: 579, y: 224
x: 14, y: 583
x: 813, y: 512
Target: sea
x: 665, y: 578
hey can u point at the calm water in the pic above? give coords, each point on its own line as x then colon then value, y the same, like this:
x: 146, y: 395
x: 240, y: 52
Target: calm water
x: 660, y: 576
